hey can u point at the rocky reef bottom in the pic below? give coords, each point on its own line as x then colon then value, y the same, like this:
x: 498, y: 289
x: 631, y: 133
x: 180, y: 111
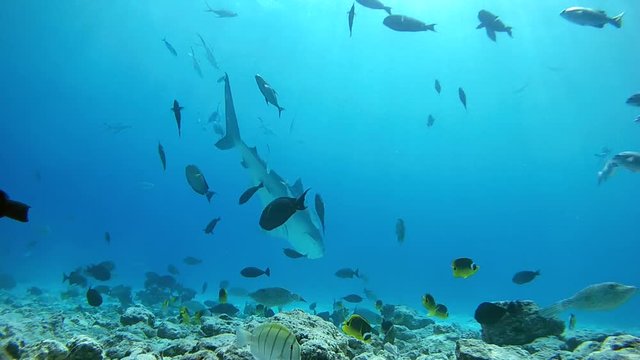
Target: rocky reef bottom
x: 42, y: 329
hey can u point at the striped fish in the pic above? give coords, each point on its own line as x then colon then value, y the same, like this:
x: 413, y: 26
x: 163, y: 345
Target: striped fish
x: 270, y: 342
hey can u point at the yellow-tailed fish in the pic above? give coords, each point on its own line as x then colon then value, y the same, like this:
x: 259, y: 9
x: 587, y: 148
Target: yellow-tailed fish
x: 358, y: 327
x: 271, y: 341
x: 184, y: 315
x: 440, y: 311
x: 222, y: 296
x: 429, y: 302
x: 463, y: 268
x: 197, y: 318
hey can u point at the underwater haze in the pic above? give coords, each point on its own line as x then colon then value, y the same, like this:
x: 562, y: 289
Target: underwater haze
x: 510, y: 182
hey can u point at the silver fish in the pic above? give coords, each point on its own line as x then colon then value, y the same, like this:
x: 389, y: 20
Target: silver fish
x: 603, y: 296
x: 591, y: 17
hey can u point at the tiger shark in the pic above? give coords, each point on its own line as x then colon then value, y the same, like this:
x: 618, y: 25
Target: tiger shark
x: 300, y: 230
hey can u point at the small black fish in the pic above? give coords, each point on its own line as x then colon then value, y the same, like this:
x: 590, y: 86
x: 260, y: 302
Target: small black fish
x: 489, y: 313
x: 211, y: 225
x: 107, y: 237
x: 252, y: 272
x: 99, y: 272
x: 293, y: 254
x: 249, y: 193
x: 400, y: 230
x: 171, y: 49
x: 190, y: 260
x: 173, y: 270
x: 523, y: 277
x: 13, y: 209
x: 437, y: 86
x: 463, y: 97
x: 347, y: 273
x: 634, y: 100
x: 313, y: 306
x: 430, y: 120
x: 353, y: 298
x: 94, y: 298
x: 280, y: 210
x: 205, y: 285
x: 176, y: 111
x: 319, y: 205
x: 75, y: 278
x: 163, y: 157
x: 352, y: 14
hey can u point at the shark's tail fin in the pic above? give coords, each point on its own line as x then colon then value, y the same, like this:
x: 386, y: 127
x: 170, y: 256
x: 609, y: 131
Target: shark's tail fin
x: 280, y: 109
x: 617, y: 20
x: 232, y: 137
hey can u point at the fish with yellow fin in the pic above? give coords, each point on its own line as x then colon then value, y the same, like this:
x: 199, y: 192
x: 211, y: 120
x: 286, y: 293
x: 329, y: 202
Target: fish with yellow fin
x: 168, y: 302
x: 222, y: 296
x: 197, y: 318
x: 434, y: 309
x: 429, y: 302
x: 440, y: 311
x: 358, y: 327
x: 464, y: 267
x: 185, y: 318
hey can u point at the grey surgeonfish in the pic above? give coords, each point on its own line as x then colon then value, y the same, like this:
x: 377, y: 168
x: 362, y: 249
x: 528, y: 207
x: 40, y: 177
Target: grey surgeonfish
x: 13, y: 209
x: 196, y: 64
x: 254, y: 272
x: 405, y: 23
x: 275, y: 296
x: 591, y: 17
x: 603, y: 296
x: 210, y: 57
x: 277, y: 212
x: 374, y: 4
x: 271, y: 341
x: 211, y: 225
x: 178, y: 115
x: 170, y: 47
x: 290, y: 253
x: 246, y: 196
x: 198, y: 182
x: 523, y: 277
x: 352, y: 14
x: 163, y: 157
x: 270, y: 95
x: 492, y: 24
x: 319, y: 204
x: 626, y: 159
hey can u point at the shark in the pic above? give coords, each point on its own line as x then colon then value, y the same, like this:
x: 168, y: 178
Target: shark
x: 300, y: 230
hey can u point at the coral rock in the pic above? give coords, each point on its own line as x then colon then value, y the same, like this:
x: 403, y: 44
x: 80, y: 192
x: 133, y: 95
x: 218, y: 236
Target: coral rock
x: 83, y: 347
x: 137, y: 314
x: 472, y: 349
x: 47, y: 350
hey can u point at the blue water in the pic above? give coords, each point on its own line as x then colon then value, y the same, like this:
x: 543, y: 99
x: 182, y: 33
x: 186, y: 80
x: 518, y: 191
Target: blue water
x: 510, y: 183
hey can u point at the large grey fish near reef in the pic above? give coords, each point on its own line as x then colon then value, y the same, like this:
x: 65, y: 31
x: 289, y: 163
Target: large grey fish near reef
x: 591, y: 17
x: 405, y: 23
x: 492, y: 24
x: 626, y: 159
x: 603, y: 296
x: 300, y: 231
x: 374, y: 4
x: 270, y: 95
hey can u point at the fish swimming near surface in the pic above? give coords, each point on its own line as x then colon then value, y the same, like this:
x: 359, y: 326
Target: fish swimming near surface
x: 353, y: 298
x: 523, y: 277
x: 290, y: 253
x: 437, y: 86
x: 407, y: 24
x: 352, y: 14
x: 277, y: 212
x: 178, y: 115
x: 196, y: 63
x: 347, y: 273
x: 170, y: 47
x: 198, y: 182
x: 463, y: 268
x: 492, y: 24
x: 400, y: 231
x: 430, y: 120
x: 271, y: 341
x: 190, y: 260
x: 211, y: 225
x: 572, y: 322
x: 634, y: 100
x: 94, y: 298
x: 463, y: 97
x: 275, y: 297
x: 597, y: 297
x: 247, y: 194
x: 358, y: 327
x: 253, y: 272
x: 591, y: 17
x: 489, y: 313
x: 319, y: 206
x: 301, y: 232
x: 627, y: 159
x: 374, y: 4
x: 163, y: 157
x: 270, y: 95
x: 210, y: 57
x: 13, y: 209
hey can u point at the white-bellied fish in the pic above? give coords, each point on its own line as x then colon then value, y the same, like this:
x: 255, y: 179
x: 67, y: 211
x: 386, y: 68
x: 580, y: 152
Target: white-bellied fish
x: 597, y: 297
x: 407, y: 24
x: 270, y: 95
x: 177, y: 112
x: 627, y: 159
x: 163, y: 157
x: 634, y: 100
x: 197, y: 181
x: 210, y: 57
x: 170, y: 47
x: 222, y: 13
x: 271, y: 341
x: 591, y: 17
x: 301, y: 232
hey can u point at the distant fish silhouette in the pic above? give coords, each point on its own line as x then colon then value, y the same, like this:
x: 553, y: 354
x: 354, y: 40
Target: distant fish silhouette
x: 170, y: 47
x: 463, y: 97
x: 352, y: 14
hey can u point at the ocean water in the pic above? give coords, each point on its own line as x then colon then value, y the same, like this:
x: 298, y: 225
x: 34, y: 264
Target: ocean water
x: 511, y: 182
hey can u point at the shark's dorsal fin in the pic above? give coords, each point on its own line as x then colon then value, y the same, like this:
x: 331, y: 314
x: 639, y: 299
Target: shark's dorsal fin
x: 297, y: 188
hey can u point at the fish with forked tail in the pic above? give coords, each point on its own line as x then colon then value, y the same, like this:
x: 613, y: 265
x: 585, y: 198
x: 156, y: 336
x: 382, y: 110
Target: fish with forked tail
x: 591, y: 17
x: 13, y: 209
x: 407, y: 24
x: 492, y: 24
x: 270, y: 95
x: 198, y: 182
x: 178, y: 115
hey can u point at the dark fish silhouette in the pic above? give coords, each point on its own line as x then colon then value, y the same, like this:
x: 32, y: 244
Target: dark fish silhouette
x: 13, y: 209
x: 492, y: 24
x: 107, y: 237
x: 407, y: 24
x: 347, y: 273
x: 211, y: 225
x: 173, y: 270
x: 374, y: 4
x: 176, y: 111
x: 463, y: 97
x: 489, y: 313
x: 437, y: 86
x: 353, y: 298
x: 75, y: 278
x: 319, y: 204
x: 293, y: 254
x: 280, y: 210
x: 634, y: 100
x: 100, y: 272
x: 246, y: 196
x: 430, y: 120
x: 524, y: 277
x: 270, y: 95
x: 94, y: 298
x: 163, y: 157
x: 190, y: 260
x: 198, y: 183
x: 210, y: 56
x: 171, y: 49
x: 252, y: 272
x: 352, y: 14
